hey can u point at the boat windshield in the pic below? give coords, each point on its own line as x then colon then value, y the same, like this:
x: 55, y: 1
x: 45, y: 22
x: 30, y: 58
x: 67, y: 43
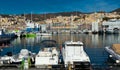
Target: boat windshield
x: 16, y: 56
x: 74, y: 44
x: 48, y: 43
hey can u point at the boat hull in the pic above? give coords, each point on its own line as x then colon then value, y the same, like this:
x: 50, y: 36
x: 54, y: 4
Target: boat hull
x: 113, y: 55
x: 73, y: 53
x: 47, y: 57
x: 82, y: 65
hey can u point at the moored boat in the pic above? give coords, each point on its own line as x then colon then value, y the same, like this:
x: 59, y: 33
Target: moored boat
x: 43, y: 34
x: 4, y: 40
x: 30, y: 34
x: 24, y: 53
x: 5, y: 60
x: 114, y: 52
x: 74, y: 54
x: 47, y: 57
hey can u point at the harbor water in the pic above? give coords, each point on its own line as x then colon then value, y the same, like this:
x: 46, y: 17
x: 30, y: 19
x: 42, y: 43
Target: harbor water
x: 93, y: 43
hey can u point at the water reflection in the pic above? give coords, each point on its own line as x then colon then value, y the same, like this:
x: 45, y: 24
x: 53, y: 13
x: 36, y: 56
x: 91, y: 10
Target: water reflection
x: 91, y: 41
x: 94, y: 44
x: 95, y: 40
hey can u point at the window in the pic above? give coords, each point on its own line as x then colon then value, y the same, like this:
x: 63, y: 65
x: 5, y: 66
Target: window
x: 74, y: 44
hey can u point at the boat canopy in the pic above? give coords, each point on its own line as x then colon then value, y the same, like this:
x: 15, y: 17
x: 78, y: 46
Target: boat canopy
x: 48, y: 43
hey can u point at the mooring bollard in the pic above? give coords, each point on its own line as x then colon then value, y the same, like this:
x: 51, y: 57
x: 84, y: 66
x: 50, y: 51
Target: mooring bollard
x: 26, y: 65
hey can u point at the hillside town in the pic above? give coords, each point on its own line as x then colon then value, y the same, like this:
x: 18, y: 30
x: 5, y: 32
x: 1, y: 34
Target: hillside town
x: 78, y: 21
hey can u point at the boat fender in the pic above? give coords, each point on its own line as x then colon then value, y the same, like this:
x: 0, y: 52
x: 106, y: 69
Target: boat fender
x: 110, y: 56
x: 117, y: 61
x: 1, y: 62
x: 8, y: 62
x: 33, y: 59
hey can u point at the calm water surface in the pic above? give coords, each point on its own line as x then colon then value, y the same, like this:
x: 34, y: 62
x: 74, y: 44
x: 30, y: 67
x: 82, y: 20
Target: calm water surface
x: 94, y: 45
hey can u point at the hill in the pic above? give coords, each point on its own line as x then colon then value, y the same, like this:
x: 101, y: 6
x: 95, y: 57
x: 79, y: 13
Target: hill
x: 39, y: 17
x: 116, y: 10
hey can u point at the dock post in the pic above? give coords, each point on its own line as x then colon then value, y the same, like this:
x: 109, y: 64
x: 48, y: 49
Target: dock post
x: 69, y: 67
x: 62, y: 67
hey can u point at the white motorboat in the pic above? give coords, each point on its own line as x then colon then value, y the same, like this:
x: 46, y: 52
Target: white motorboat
x: 24, y: 53
x: 73, y: 53
x: 114, y: 52
x: 48, y: 56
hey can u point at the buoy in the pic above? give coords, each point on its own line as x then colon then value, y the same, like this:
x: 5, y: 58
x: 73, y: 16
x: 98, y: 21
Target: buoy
x: 33, y: 59
x: 1, y: 62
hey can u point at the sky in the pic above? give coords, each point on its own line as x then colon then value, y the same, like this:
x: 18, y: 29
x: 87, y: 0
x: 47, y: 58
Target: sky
x: 51, y: 6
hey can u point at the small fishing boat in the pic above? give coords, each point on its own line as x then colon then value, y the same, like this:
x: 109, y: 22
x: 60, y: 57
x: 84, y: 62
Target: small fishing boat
x: 31, y: 34
x: 114, y: 52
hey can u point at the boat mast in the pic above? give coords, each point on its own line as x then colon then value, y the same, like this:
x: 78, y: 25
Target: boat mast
x: 24, y: 16
x: 31, y: 16
x: 71, y: 21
